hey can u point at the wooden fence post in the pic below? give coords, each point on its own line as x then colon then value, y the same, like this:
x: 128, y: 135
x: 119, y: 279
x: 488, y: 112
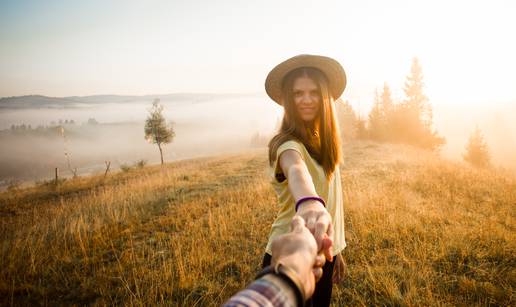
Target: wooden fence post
x: 108, y: 163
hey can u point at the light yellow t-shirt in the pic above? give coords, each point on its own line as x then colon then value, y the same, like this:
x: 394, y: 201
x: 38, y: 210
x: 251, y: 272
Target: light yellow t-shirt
x: 330, y: 191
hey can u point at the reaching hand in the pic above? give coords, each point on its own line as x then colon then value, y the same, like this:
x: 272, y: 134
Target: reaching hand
x: 318, y: 221
x: 298, y: 251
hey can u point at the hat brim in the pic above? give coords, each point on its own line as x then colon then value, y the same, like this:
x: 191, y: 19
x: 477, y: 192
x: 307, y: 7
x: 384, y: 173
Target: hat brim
x: 331, y: 68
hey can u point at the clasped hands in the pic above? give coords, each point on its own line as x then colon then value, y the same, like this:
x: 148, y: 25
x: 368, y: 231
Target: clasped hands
x: 307, y: 247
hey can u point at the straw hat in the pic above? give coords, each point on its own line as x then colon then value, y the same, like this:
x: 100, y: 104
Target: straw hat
x: 330, y: 67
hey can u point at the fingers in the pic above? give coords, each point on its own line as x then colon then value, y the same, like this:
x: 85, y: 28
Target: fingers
x: 327, y: 249
x: 319, y: 260
x: 297, y: 224
x: 318, y: 272
x: 330, y: 231
x: 317, y: 269
x: 324, y: 236
x: 321, y: 229
x: 310, y: 223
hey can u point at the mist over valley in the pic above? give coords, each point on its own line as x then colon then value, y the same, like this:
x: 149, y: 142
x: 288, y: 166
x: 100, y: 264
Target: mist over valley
x: 110, y: 128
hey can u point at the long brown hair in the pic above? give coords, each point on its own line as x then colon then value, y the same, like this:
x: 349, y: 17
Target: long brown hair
x: 324, y: 146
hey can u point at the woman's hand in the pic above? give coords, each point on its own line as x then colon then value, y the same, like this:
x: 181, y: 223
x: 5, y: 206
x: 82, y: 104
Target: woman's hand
x: 318, y: 221
x: 338, y: 269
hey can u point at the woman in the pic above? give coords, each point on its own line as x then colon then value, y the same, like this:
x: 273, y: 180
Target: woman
x: 304, y: 158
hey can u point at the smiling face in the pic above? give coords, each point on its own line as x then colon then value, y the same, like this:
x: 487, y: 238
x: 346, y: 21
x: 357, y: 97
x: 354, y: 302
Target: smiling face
x: 309, y: 117
x: 307, y: 99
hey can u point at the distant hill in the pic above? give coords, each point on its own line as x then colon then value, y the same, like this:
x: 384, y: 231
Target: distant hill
x: 39, y: 101
x: 36, y: 101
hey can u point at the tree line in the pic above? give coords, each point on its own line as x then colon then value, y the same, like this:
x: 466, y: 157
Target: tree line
x: 45, y: 130
x: 409, y: 121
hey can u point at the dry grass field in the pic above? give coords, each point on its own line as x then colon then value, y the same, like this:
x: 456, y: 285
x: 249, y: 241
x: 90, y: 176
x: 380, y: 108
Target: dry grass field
x: 421, y: 232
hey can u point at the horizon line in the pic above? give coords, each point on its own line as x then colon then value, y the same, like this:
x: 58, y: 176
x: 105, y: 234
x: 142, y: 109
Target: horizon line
x: 141, y: 95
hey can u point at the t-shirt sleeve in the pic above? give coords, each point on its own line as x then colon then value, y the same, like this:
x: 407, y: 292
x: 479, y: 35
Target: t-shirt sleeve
x: 277, y: 171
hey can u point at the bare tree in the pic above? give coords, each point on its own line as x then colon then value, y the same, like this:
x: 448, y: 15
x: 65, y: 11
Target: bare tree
x: 156, y: 129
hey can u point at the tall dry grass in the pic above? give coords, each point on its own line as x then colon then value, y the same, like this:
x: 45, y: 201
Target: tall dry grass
x: 420, y: 231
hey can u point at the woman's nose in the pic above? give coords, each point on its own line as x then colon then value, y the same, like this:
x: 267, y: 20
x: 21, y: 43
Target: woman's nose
x: 307, y: 98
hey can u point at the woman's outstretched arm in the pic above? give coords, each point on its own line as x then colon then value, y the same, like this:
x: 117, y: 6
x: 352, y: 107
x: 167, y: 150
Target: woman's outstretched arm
x: 300, y: 185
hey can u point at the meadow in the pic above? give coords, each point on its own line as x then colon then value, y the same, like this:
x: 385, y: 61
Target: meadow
x: 420, y: 231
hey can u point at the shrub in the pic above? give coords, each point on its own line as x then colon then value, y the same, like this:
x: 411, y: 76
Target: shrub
x: 140, y: 163
x: 125, y: 167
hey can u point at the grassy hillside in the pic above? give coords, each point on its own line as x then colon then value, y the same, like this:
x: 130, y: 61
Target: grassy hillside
x: 420, y: 231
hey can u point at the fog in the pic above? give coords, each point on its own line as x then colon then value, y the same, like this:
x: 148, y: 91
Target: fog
x: 206, y: 125
x: 497, y: 122
x: 202, y: 127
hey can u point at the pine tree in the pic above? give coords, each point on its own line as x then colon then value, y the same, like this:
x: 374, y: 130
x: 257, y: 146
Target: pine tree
x: 347, y: 120
x: 477, y: 153
x: 388, y: 110
x: 416, y: 113
x: 156, y: 129
x: 416, y: 101
x: 361, y: 129
x: 376, y: 119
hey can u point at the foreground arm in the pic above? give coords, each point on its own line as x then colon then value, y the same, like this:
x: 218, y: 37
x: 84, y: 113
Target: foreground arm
x: 270, y: 290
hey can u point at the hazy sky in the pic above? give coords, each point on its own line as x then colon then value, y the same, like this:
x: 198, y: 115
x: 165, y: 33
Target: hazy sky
x: 63, y: 48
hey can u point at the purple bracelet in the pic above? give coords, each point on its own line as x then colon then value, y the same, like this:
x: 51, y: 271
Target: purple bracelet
x: 299, y: 202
